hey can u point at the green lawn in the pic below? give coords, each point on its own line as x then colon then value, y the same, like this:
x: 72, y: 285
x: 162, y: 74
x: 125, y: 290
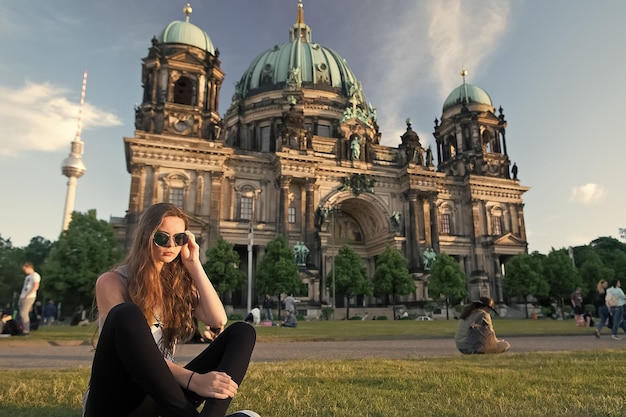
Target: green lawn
x: 514, y: 384
x: 348, y: 330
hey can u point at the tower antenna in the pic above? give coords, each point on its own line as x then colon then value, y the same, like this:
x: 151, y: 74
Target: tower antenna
x: 73, y: 167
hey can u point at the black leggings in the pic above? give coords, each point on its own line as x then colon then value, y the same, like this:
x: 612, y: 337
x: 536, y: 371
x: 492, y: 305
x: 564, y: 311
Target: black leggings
x: 129, y: 371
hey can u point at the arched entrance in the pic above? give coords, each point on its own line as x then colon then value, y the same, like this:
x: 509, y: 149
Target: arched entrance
x: 361, y: 223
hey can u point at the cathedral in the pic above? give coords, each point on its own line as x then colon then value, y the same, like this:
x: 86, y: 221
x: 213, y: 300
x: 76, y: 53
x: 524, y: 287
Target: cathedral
x: 297, y: 153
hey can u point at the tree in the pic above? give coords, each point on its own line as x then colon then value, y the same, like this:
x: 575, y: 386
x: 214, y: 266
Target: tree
x: 222, y: 267
x: 591, y: 269
x: 37, y: 251
x: 612, y: 252
x: 524, y: 278
x: 11, y: 274
x: 277, y: 272
x: 446, y: 280
x: 561, y: 276
x: 350, y: 279
x: 392, y: 276
x: 84, y: 251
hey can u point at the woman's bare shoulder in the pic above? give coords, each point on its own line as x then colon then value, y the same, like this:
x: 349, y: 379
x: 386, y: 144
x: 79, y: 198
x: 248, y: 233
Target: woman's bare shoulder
x: 109, y: 278
x: 111, y: 282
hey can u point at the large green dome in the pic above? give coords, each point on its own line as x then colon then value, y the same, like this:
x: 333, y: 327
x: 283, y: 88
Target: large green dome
x: 467, y: 93
x: 309, y: 65
x: 186, y: 33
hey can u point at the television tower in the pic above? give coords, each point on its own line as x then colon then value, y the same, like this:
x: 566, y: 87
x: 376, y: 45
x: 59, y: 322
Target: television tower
x: 73, y: 167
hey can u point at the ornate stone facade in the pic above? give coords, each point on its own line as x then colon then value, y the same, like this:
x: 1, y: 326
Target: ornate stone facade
x: 301, y: 156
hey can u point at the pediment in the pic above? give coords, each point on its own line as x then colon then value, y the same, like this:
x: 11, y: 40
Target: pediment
x: 186, y: 57
x: 357, y: 126
x: 488, y: 116
x: 509, y: 240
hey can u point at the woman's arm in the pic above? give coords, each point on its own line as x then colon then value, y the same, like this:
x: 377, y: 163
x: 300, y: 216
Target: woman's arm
x: 213, y: 384
x: 210, y: 309
x: 110, y: 291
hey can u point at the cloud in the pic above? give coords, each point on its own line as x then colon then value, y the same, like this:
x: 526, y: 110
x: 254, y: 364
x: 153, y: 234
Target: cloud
x: 463, y: 34
x: 431, y: 42
x: 39, y: 117
x: 588, y: 194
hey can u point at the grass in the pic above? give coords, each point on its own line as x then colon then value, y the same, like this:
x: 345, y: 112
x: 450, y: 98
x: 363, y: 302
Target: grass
x: 515, y: 385
x: 345, y: 330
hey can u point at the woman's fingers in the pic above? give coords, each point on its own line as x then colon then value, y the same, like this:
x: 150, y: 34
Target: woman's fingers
x: 217, y: 385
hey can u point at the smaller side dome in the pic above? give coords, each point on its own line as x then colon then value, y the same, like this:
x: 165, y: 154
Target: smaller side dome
x: 186, y: 33
x: 467, y: 93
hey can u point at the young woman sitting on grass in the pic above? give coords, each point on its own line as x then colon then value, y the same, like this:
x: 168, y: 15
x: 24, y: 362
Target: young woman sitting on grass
x: 475, y: 333
x: 145, y: 306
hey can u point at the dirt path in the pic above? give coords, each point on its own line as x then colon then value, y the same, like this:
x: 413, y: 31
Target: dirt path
x: 58, y: 356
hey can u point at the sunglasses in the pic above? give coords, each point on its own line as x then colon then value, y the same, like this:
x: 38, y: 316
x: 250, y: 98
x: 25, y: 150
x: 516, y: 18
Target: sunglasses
x: 163, y: 239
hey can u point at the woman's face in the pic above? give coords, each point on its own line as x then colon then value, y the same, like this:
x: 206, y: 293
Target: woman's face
x: 605, y: 284
x: 167, y: 252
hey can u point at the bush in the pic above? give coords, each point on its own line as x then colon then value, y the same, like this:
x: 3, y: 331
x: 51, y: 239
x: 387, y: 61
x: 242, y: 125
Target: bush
x: 327, y: 312
x: 356, y: 318
x: 235, y: 317
x: 381, y: 317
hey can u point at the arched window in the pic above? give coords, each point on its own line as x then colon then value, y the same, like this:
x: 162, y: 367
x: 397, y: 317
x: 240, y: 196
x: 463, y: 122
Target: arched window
x: 446, y: 219
x: 497, y: 220
x: 184, y: 91
x: 488, y: 141
x: 176, y: 188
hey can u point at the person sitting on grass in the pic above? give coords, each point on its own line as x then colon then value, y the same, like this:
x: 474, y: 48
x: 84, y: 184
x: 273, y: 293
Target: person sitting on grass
x: 145, y: 306
x: 475, y: 333
x: 290, y: 320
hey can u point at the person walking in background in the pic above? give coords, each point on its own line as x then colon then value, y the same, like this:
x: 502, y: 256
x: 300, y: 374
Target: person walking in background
x: 577, y: 304
x: 268, y: 306
x: 616, y: 308
x: 290, y: 303
x: 601, y: 308
x: 145, y: 307
x: 475, y: 333
x: 28, y: 295
x: 49, y: 313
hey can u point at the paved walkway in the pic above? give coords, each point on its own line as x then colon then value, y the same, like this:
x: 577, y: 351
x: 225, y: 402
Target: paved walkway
x: 27, y: 354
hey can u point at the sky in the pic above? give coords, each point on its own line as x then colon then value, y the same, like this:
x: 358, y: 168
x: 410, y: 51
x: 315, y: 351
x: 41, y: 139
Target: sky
x: 556, y: 68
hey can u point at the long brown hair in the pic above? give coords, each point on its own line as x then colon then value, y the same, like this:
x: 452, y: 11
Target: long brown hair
x: 601, y: 289
x: 172, y: 293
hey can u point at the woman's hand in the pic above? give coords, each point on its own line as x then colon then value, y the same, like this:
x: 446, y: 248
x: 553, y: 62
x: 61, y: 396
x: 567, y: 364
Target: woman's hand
x: 213, y: 385
x: 190, y: 252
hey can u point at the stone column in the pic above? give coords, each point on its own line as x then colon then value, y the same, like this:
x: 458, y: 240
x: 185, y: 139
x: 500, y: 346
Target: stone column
x: 232, y: 198
x: 415, y: 258
x: 283, y: 218
x: 137, y: 186
x: 484, y: 229
x: 427, y: 229
x: 215, y: 212
x: 311, y: 187
x: 434, y: 222
x: 520, y: 218
x: 302, y: 213
x: 199, y: 193
x: 156, y: 181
